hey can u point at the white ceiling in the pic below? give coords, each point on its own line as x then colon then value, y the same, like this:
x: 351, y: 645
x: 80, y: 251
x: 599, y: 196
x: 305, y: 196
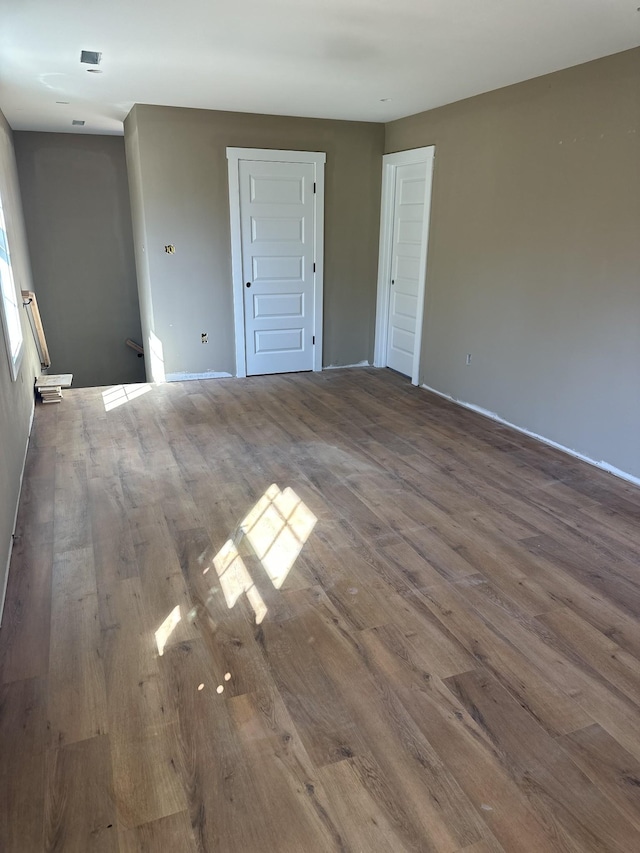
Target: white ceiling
x: 323, y: 58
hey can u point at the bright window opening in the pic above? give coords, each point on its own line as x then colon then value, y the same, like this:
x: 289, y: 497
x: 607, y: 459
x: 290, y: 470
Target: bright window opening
x: 10, y: 311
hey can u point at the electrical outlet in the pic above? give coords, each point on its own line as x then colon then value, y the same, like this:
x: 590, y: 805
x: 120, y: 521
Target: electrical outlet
x: 204, y: 338
x: 468, y: 358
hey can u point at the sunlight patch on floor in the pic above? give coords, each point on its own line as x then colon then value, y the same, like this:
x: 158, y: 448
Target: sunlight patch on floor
x: 167, y: 628
x: 277, y: 528
x: 235, y: 580
x: 117, y: 395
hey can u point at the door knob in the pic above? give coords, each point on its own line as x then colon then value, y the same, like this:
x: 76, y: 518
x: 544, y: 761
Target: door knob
x: 248, y: 284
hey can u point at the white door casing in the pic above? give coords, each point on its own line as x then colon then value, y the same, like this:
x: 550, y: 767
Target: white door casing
x: 404, y: 232
x: 276, y: 225
x: 277, y: 249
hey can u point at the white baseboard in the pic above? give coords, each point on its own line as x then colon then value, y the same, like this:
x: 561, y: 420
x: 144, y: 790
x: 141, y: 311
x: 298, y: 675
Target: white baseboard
x: 185, y: 377
x: 604, y: 466
x: 364, y: 363
x: 15, y: 515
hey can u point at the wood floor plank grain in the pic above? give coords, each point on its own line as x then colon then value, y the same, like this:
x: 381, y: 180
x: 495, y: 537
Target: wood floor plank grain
x: 79, y: 808
x: 72, y: 523
x: 566, y: 672
x: 36, y: 499
x: 314, y: 702
x: 604, y: 615
x: 110, y: 530
x: 315, y: 612
x: 608, y: 765
x: 228, y: 798
x: 482, y: 771
x: 544, y: 772
x: 23, y: 735
x: 393, y: 743
x: 146, y: 781
x: 77, y: 691
x: 142, y: 711
x: 598, y: 651
x: 24, y: 646
x: 363, y: 824
x: 548, y: 702
x: 580, y: 561
x: 136, y: 694
x: 284, y: 777
x: 490, y: 846
x: 172, y: 833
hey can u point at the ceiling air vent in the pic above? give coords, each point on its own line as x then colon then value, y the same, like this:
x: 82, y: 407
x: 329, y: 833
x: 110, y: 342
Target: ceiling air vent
x: 77, y: 122
x: 90, y: 57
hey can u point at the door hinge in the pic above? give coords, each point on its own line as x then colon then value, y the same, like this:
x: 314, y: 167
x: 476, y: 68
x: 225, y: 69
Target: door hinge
x: 313, y: 340
x: 314, y: 187
x: 314, y: 266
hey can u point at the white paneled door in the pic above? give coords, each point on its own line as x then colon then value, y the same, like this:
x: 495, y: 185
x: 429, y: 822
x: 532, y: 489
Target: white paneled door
x: 277, y: 207
x: 406, y: 250
x: 404, y: 230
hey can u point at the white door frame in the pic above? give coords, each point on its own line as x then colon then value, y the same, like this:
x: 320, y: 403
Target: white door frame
x: 390, y: 163
x: 318, y: 160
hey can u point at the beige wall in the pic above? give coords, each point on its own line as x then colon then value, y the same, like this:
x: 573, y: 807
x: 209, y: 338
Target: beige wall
x: 76, y: 204
x: 16, y: 398
x: 179, y: 191
x: 534, y: 255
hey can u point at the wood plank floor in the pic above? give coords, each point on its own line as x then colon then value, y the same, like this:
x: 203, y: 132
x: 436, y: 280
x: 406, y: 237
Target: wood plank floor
x: 312, y: 613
